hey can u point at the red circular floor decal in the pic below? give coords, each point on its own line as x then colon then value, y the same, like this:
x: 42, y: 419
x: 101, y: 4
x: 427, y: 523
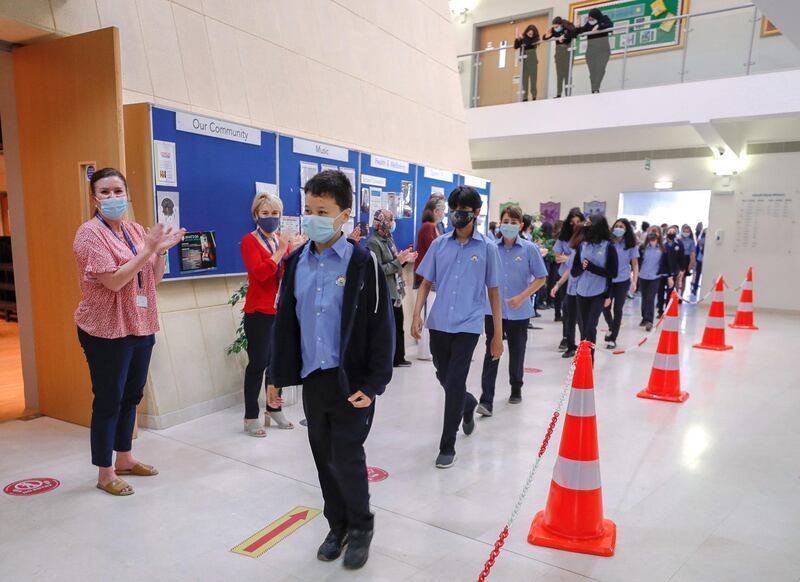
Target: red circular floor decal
x: 32, y: 486
x: 376, y: 474
x: 532, y: 370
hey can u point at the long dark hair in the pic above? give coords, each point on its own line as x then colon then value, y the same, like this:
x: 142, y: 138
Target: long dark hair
x: 566, y: 229
x: 559, y: 224
x: 558, y: 21
x: 598, y: 231
x: 659, y: 241
x: 577, y: 236
x: 535, y: 32
x: 689, y: 228
x: 629, y: 238
x: 106, y: 173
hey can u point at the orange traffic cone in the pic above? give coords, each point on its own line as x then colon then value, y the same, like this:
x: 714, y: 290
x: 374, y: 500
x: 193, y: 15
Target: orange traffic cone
x: 714, y: 334
x: 573, y: 518
x: 665, y: 379
x: 744, y: 313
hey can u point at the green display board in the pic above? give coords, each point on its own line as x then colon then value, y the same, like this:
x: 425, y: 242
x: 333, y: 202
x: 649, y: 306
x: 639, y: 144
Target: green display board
x: 648, y: 33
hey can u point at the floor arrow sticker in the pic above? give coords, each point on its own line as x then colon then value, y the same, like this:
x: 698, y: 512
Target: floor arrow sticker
x: 261, y: 541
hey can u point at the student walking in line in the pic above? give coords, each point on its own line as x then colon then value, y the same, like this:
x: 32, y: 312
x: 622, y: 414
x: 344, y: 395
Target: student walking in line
x: 336, y: 337
x: 654, y: 263
x: 432, y: 218
x: 522, y: 274
x: 596, y: 264
x: 698, y: 270
x: 688, y: 259
x: 674, y: 250
x: 563, y: 249
x: 263, y: 251
x: 563, y: 32
x: 392, y: 262
x: 626, y: 279
x: 463, y: 264
x: 598, y: 50
x: 552, y: 273
x: 528, y: 42
x: 569, y: 282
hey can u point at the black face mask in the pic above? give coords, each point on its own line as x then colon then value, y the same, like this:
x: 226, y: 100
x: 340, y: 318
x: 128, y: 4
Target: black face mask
x: 652, y: 236
x: 462, y: 218
x: 671, y: 236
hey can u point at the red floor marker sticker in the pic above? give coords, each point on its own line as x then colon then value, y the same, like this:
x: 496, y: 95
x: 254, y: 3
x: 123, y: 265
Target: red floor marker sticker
x: 375, y: 474
x: 532, y: 370
x: 277, y: 531
x: 32, y: 486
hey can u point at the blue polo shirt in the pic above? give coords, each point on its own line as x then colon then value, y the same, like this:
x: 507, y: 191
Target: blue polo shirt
x: 461, y: 272
x: 319, y: 290
x: 562, y: 247
x: 520, y: 264
x: 650, y: 268
x: 625, y: 257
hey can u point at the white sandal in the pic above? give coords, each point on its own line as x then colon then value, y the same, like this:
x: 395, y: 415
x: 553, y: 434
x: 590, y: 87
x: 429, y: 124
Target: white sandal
x: 253, y: 428
x: 280, y: 420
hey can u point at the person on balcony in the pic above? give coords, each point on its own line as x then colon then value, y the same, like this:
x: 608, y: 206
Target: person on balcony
x: 528, y: 43
x: 563, y: 31
x: 598, y: 52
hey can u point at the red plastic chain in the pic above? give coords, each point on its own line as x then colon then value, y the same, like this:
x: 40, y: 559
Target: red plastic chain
x: 487, y: 567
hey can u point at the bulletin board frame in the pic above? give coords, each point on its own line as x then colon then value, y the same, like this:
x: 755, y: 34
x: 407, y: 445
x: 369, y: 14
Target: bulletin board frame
x: 374, y: 166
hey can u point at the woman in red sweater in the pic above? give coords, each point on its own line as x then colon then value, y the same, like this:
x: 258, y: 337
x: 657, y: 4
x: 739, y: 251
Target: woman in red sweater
x: 432, y: 216
x: 263, y: 251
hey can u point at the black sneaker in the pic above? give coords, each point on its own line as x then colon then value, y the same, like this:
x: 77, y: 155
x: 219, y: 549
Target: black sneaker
x: 570, y: 353
x: 649, y: 326
x: 642, y: 323
x: 332, y: 547
x: 557, y: 318
x: 515, y: 398
x: 563, y: 345
x: 608, y: 337
x: 403, y: 364
x: 445, y: 460
x: 611, y: 345
x: 357, y: 548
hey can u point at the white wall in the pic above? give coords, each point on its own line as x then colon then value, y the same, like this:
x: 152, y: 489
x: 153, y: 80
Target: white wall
x: 718, y: 46
x: 572, y: 185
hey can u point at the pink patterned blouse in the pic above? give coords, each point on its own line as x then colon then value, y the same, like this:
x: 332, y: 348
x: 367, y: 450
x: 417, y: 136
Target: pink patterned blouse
x: 102, y: 312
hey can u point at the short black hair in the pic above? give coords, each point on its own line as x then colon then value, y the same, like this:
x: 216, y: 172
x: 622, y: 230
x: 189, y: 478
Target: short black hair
x: 466, y: 197
x: 645, y: 225
x: 332, y: 184
x: 106, y: 173
x: 595, y: 13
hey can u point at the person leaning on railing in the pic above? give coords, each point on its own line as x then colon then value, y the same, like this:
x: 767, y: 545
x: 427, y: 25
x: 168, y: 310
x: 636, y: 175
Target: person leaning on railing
x: 528, y: 42
x: 563, y: 31
x: 598, y: 51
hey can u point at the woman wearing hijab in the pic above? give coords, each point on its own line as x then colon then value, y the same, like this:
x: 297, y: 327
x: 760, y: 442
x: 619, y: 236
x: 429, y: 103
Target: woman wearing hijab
x: 382, y: 244
x: 528, y: 43
x: 598, y: 51
x: 563, y: 32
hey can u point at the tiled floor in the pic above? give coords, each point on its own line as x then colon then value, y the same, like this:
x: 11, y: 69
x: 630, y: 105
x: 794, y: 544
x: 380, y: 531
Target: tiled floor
x: 703, y: 491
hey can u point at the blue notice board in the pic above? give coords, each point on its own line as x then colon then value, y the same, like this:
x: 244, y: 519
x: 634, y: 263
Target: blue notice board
x: 484, y: 188
x: 397, y: 179
x: 215, y: 180
x: 431, y: 180
x: 296, y: 154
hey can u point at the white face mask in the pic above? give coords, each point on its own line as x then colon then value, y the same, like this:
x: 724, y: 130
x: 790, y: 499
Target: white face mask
x: 592, y: 21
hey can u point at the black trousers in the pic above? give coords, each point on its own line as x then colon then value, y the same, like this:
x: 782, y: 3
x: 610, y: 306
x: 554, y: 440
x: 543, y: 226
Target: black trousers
x: 258, y: 330
x: 515, y: 332
x: 589, y: 309
x: 118, y: 369
x: 452, y: 355
x: 698, y: 272
x: 664, y: 291
x: 337, y: 432
x: 552, y: 277
x: 649, y: 289
x: 619, y: 293
x: 570, y: 318
x: 400, y: 338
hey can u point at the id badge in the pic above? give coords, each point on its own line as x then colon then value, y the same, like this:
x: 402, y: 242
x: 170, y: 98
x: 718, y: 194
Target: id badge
x: 141, y: 301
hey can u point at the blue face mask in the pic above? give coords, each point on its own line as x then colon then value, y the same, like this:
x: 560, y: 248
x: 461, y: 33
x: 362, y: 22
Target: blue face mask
x: 269, y: 224
x: 319, y: 229
x: 618, y: 232
x: 509, y: 231
x: 113, y: 208
x: 558, y: 29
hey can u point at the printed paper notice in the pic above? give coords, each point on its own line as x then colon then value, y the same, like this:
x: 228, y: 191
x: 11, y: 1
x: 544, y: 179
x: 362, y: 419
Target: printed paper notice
x: 324, y: 167
x: 437, y: 191
x: 307, y: 171
x: 351, y: 175
x: 290, y: 224
x: 266, y: 188
x: 166, y: 168
x: 169, y: 208
x: 374, y: 203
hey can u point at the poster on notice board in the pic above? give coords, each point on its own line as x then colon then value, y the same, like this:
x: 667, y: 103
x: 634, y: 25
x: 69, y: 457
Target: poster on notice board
x: 198, y: 251
x: 169, y: 208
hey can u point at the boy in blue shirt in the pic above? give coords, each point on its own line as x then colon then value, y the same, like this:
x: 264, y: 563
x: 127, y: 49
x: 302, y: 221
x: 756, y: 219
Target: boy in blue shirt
x: 522, y: 274
x: 462, y: 264
x: 334, y: 335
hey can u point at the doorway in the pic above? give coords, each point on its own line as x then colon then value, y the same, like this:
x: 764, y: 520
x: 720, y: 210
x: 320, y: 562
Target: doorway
x: 499, y: 79
x: 677, y: 207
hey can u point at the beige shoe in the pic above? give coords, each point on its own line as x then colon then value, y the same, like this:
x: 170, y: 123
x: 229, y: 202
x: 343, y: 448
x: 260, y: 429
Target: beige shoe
x: 253, y: 428
x: 279, y: 418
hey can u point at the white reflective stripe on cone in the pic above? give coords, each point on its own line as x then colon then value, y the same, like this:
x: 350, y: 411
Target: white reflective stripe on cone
x: 748, y: 285
x: 671, y: 324
x: 716, y: 323
x: 745, y: 307
x: 719, y: 295
x: 577, y: 475
x: 581, y: 402
x: 667, y: 362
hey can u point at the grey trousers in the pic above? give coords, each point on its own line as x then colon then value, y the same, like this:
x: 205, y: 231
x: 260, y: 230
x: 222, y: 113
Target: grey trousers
x: 597, y: 55
x: 562, y: 67
x: 530, y: 74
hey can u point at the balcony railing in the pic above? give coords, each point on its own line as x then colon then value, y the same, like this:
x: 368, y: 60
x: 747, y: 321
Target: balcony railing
x: 728, y: 42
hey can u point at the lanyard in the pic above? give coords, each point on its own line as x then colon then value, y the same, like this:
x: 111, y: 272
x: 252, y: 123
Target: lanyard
x: 128, y: 241
x: 271, y: 249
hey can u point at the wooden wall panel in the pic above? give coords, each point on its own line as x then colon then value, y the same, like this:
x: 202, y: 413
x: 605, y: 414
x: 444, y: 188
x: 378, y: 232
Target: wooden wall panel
x: 69, y: 108
x: 139, y: 161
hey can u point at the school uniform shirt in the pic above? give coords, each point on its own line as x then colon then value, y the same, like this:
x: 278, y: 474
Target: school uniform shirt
x: 701, y: 246
x: 652, y: 263
x: 572, y: 280
x: 625, y: 257
x: 596, y: 278
x: 319, y: 290
x: 461, y: 273
x: 520, y: 264
x: 562, y: 247
x: 688, y: 246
